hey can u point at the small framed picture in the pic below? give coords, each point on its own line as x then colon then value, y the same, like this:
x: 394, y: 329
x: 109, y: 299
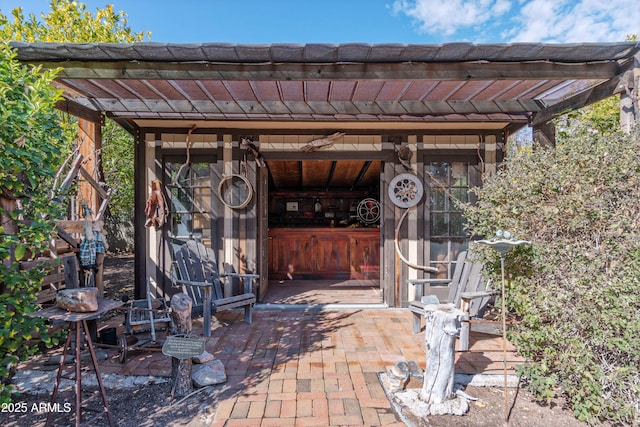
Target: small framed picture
x: 292, y: 206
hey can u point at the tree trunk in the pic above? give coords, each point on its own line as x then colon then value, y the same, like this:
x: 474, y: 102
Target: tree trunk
x: 442, y: 326
x: 181, y: 369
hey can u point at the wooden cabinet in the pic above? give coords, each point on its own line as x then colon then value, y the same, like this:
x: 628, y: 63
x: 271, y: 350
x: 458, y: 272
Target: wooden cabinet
x: 364, y: 254
x: 324, y: 253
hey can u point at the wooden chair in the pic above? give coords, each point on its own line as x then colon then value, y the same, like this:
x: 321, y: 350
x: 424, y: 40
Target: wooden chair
x: 468, y: 291
x: 197, y: 273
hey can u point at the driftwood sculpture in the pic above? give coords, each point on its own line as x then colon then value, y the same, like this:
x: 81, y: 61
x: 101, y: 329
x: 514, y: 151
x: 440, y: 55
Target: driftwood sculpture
x: 248, y: 144
x: 325, y: 142
x: 442, y: 326
x: 404, y: 157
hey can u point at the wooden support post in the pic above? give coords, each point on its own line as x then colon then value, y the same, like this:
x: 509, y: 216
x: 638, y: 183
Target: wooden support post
x: 90, y: 143
x: 630, y: 101
x: 181, y: 368
x: 545, y: 134
x: 442, y: 327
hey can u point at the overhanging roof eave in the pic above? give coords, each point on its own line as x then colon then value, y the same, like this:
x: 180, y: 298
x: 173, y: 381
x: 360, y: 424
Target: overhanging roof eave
x: 341, y: 83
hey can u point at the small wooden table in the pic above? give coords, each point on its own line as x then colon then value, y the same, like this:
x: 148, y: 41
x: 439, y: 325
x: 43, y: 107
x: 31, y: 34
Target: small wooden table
x: 77, y: 326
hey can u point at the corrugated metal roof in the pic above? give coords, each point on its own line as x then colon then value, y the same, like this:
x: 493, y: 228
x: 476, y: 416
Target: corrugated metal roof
x: 455, y: 82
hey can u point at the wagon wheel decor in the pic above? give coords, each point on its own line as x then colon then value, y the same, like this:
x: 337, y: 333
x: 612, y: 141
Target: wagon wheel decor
x: 368, y: 211
x: 405, y: 190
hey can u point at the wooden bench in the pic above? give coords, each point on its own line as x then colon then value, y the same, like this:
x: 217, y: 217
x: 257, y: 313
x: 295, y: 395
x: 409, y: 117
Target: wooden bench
x: 198, y: 275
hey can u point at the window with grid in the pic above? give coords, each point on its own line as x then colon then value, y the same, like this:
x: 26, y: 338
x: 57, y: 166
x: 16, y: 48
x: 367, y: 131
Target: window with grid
x: 191, y: 194
x: 448, y: 182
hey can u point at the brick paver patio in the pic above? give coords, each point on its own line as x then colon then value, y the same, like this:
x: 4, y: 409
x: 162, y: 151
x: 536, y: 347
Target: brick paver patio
x: 309, y: 367
x: 312, y: 367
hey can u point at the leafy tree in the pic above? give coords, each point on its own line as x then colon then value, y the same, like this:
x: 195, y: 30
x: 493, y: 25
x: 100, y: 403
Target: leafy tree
x: 31, y: 140
x: 575, y: 289
x: 70, y: 21
x: 602, y: 116
x: 34, y: 140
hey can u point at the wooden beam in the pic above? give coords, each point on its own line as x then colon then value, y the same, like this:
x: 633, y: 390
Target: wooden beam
x: 326, y: 155
x: 67, y: 237
x: 140, y: 231
x: 524, y: 120
x: 73, y: 172
x: 103, y: 194
x: 105, y: 203
x: 545, y: 134
x: 135, y: 107
x: 361, y: 174
x: 332, y: 171
x: 80, y: 111
x: 334, y: 71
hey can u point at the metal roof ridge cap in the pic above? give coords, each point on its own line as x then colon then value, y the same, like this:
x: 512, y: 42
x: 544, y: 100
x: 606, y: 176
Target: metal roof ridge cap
x: 328, y: 52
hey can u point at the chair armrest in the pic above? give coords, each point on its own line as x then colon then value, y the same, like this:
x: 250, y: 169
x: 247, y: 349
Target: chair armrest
x: 429, y: 281
x: 477, y: 294
x: 419, y: 284
x: 240, y: 275
x: 247, y: 283
x: 191, y: 283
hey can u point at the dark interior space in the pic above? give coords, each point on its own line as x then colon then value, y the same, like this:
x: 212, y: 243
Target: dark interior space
x: 324, y: 236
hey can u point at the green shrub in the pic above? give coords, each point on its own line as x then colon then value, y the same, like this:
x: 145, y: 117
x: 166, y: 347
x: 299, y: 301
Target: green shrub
x: 118, y: 163
x: 74, y: 21
x: 576, y: 288
x: 30, y: 141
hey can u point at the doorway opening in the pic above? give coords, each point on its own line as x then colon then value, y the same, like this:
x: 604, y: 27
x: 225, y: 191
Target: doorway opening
x: 324, y: 232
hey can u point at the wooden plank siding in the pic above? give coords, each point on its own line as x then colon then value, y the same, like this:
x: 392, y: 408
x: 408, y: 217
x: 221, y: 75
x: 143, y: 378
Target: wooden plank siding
x: 389, y: 260
x: 447, y: 97
x: 236, y: 231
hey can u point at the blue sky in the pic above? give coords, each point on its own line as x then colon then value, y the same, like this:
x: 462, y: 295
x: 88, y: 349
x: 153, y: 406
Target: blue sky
x: 371, y: 21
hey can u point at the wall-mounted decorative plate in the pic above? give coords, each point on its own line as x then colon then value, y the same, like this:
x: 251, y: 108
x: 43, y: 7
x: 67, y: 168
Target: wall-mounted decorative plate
x: 406, y: 190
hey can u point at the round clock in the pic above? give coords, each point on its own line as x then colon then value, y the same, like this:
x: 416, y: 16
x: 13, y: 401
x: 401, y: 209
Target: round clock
x: 405, y: 190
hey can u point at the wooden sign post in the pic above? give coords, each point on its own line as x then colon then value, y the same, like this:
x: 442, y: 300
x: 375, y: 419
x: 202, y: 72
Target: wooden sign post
x: 183, y: 347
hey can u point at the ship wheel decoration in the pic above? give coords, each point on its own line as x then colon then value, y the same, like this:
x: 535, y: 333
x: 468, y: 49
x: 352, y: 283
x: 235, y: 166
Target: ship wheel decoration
x: 405, y: 190
x: 368, y: 211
